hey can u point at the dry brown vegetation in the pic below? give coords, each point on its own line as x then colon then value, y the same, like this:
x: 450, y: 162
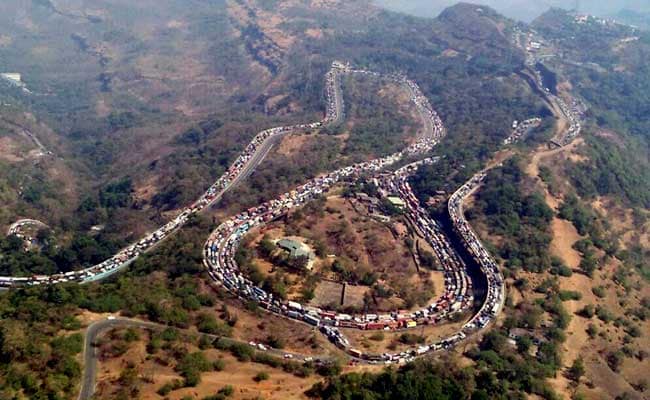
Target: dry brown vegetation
x: 372, y: 103
x: 345, y: 234
x: 613, y: 339
x: 378, y: 342
x: 155, y: 371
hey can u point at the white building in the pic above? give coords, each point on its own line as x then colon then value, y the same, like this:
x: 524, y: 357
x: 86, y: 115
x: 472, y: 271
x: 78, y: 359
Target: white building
x: 14, y: 77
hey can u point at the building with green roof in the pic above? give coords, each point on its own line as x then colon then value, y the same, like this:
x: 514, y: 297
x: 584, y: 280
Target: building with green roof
x: 297, y: 249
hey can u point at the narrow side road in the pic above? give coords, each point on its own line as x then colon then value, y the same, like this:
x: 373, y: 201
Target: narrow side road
x: 96, y: 329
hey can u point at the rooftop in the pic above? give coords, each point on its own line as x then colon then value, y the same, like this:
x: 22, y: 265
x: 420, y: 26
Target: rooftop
x: 295, y: 248
x: 396, y: 201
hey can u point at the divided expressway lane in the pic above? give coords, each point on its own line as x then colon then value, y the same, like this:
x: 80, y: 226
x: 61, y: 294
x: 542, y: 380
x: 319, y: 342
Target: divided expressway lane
x: 222, y: 244
x: 221, y: 247
x: 241, y: 168
x: 126, y: 256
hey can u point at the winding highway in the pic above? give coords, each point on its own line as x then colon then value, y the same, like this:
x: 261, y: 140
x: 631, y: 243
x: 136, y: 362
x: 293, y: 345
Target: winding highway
x: 242, y: 167
x: 570, y: 108
x: 90, y: 351
x: 221, y: 247
x: 222, y: 244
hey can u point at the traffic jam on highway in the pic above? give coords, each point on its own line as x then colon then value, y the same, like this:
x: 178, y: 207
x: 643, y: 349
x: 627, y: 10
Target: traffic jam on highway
x: 457, y: 298
x: 125, y: 256
x: 495, y: 296
x: 25, y: 228
x: 434, y: 129
x: 223, y: 243
x: 458, y: 295
x: 495, y: 288
x: 220, y: 249
x: 239, y: 167
x: 521, y: 128
x: 574, y: 111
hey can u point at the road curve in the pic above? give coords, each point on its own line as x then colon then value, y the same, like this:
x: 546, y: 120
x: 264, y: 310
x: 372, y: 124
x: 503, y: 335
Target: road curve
x: 221, y: 247
x: 96, y: 329
x: 241, y: 168
x: 90, y: 352
x: 16, y: 226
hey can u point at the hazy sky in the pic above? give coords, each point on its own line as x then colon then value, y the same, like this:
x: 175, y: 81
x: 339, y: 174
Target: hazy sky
x: 520, y: 9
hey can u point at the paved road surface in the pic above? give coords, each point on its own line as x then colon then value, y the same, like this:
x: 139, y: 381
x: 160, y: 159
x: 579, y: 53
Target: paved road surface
x: 13, y: 228
x: 29, y: 134
x: 94, y: 330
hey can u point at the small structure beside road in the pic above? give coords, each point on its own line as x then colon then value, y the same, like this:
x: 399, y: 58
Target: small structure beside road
x: 296, y: 250
x: 396, y: 201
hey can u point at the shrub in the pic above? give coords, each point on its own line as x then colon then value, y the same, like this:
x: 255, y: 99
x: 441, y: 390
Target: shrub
x: 326, y: 369
x: 169, y: 335
x: 592, y: 331
x: 242, y: 352
x: 577, y: 370
x: 275, y: 342
x: 604, y: 314
x: 218, y: 365
x: 205, y: 342
x: 67, y: 345
x: 521, y: 283
x: 615, y: 360
x: 524, y: 343
x: 192, y: 378
x: 562, y: 270
x: 634, y: 331
x: 169, y: 387
x: 221, y: 344
x: 267, y: 359
x: 165, y: 389
x: 227, y: 390
x: 70, y: 323
x: 566, y: 295
x: 191, y: 303
x: 207, y: 323
x: 599, y: 291
x: 131, y: 335
x: 587, y: 311
x: 588, y: 265
x: 222, y: 394
x: 261, y: 376
x: 154, y: 345
x: 191, y: 366
x: 411, y: 338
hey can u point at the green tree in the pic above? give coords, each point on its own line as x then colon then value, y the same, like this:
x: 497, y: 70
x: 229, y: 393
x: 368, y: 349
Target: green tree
x: 577, y: 370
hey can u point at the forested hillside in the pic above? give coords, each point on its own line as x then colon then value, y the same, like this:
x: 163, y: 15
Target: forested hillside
x: 130, y: 110
x: 132, y: 93
x: 571, y: 224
